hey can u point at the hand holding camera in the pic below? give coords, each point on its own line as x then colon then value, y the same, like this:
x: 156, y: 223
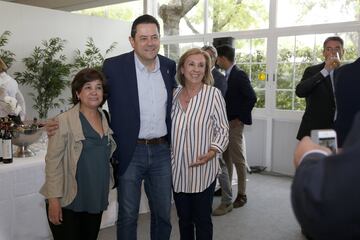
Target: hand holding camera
x: 326, y: 138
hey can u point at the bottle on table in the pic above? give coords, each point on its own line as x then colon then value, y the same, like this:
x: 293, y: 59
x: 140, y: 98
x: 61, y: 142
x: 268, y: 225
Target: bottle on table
x: 7, y: 149
x: 1, y: 136
x: 34, y: 125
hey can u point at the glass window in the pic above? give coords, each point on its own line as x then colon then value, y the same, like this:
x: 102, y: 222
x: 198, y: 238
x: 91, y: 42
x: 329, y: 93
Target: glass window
x: 230, y: 15
x: 351, y: 47
x: 295, y: 54
x: 223, y: 16
x: 175, y: 50
x: 177, y: 18
x: 309, y: 12
x: 126, y: 11
x: 251, y: 58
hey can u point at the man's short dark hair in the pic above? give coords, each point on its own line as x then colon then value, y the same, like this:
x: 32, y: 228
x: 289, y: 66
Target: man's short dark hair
x: 226, y: 51
x: 146, y: 18
x: 334, y: 38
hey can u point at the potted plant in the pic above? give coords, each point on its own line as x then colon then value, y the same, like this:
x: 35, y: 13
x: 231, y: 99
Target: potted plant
x: 91, y: 57
x: 6, y: 55
x: 47, y: 73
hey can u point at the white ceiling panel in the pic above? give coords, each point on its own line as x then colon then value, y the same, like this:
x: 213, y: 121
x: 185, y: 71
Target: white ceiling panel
x: 67, y: 5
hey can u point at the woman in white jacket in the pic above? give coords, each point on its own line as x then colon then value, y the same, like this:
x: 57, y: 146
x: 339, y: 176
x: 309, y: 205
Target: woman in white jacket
x: 11, y: 100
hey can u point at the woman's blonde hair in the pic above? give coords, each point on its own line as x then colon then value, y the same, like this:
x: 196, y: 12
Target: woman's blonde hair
x: 3, y: 66
x: 208, y: 78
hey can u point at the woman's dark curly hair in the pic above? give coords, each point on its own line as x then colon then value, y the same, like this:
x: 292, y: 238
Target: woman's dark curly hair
x: 84, y: 76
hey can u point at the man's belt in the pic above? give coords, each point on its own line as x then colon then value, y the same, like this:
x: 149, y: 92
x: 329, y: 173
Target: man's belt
x: 159, y: 140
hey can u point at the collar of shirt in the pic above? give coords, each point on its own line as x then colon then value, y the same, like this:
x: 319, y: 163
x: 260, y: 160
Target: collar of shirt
x: 227, y: 72
x: 140, y: 66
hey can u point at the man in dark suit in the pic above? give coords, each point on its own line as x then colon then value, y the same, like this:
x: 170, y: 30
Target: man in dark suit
x: 324, y: 193
x: 240, y: 99
x: 347, y: 98
x: 317, y: 87
x: 140, y: 87
x: 223, y: 177
x: 219, y: 78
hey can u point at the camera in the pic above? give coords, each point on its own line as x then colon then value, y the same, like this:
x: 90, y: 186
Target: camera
x: 326, y: 138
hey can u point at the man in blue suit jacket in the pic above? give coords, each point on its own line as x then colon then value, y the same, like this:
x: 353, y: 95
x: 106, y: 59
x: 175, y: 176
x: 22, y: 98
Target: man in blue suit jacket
x: 324, y: 193
x: 140, y: 87
x: 240, y: 99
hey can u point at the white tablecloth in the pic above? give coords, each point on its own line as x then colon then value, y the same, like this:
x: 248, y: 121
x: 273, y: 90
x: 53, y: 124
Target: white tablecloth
x: 22, y: 208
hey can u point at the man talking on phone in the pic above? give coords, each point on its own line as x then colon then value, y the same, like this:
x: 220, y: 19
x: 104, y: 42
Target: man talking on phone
x: 317, y: 87
x: 324, y: 193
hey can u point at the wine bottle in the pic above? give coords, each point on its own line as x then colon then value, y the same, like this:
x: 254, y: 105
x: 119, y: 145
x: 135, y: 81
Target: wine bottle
x: 7, y: 148
x: 34, y: 125
x: 1, y: 136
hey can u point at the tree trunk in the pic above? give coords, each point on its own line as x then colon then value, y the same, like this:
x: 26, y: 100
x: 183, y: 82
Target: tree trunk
x: 171, y: 15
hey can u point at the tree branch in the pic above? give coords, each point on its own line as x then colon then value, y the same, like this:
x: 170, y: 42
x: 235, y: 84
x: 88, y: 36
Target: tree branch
x: 188, y: 23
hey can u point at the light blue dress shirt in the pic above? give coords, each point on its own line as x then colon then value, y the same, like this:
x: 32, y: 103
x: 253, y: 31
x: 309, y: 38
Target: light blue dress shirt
x: 152, y: 100
x: 228, y: 71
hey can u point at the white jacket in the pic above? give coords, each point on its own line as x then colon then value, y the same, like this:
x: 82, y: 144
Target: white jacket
x: 9, y: 87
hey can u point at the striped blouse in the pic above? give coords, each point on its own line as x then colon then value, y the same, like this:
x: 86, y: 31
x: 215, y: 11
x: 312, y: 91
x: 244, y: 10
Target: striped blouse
x: 202, y: 126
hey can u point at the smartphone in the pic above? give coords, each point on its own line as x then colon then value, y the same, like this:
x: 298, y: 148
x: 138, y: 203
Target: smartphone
x: 326, y: 138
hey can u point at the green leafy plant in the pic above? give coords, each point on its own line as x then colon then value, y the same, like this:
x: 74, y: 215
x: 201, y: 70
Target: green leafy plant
x: 91, y: 57
x: 47, y: 73
x: 6, y: 55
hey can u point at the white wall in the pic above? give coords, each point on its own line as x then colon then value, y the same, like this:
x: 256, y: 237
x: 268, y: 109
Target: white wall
x: 255, y: 142
x: 282, y: 143
x: 30, y: 25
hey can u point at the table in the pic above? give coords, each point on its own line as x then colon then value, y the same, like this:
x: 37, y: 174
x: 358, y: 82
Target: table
x: 22, y: 207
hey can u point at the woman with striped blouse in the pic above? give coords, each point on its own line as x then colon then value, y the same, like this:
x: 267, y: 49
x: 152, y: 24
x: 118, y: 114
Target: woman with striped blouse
x: 199, y: 133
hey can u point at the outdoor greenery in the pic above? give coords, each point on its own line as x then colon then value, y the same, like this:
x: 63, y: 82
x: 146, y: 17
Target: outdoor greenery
x: 290, y: 68
x: 235, y: 15
x: 6, y: 55
x: 232, y: 15
x: 47, y: 73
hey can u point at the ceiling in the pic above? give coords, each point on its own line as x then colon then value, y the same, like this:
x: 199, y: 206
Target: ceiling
x: 67, y: 5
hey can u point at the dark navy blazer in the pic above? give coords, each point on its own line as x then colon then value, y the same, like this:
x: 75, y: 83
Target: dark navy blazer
x: 325, y: 193
x: 219, y: 81
x: 240, y: 97
x: 347, y: 86
x: 320, y: 103
x: 123, y: 101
